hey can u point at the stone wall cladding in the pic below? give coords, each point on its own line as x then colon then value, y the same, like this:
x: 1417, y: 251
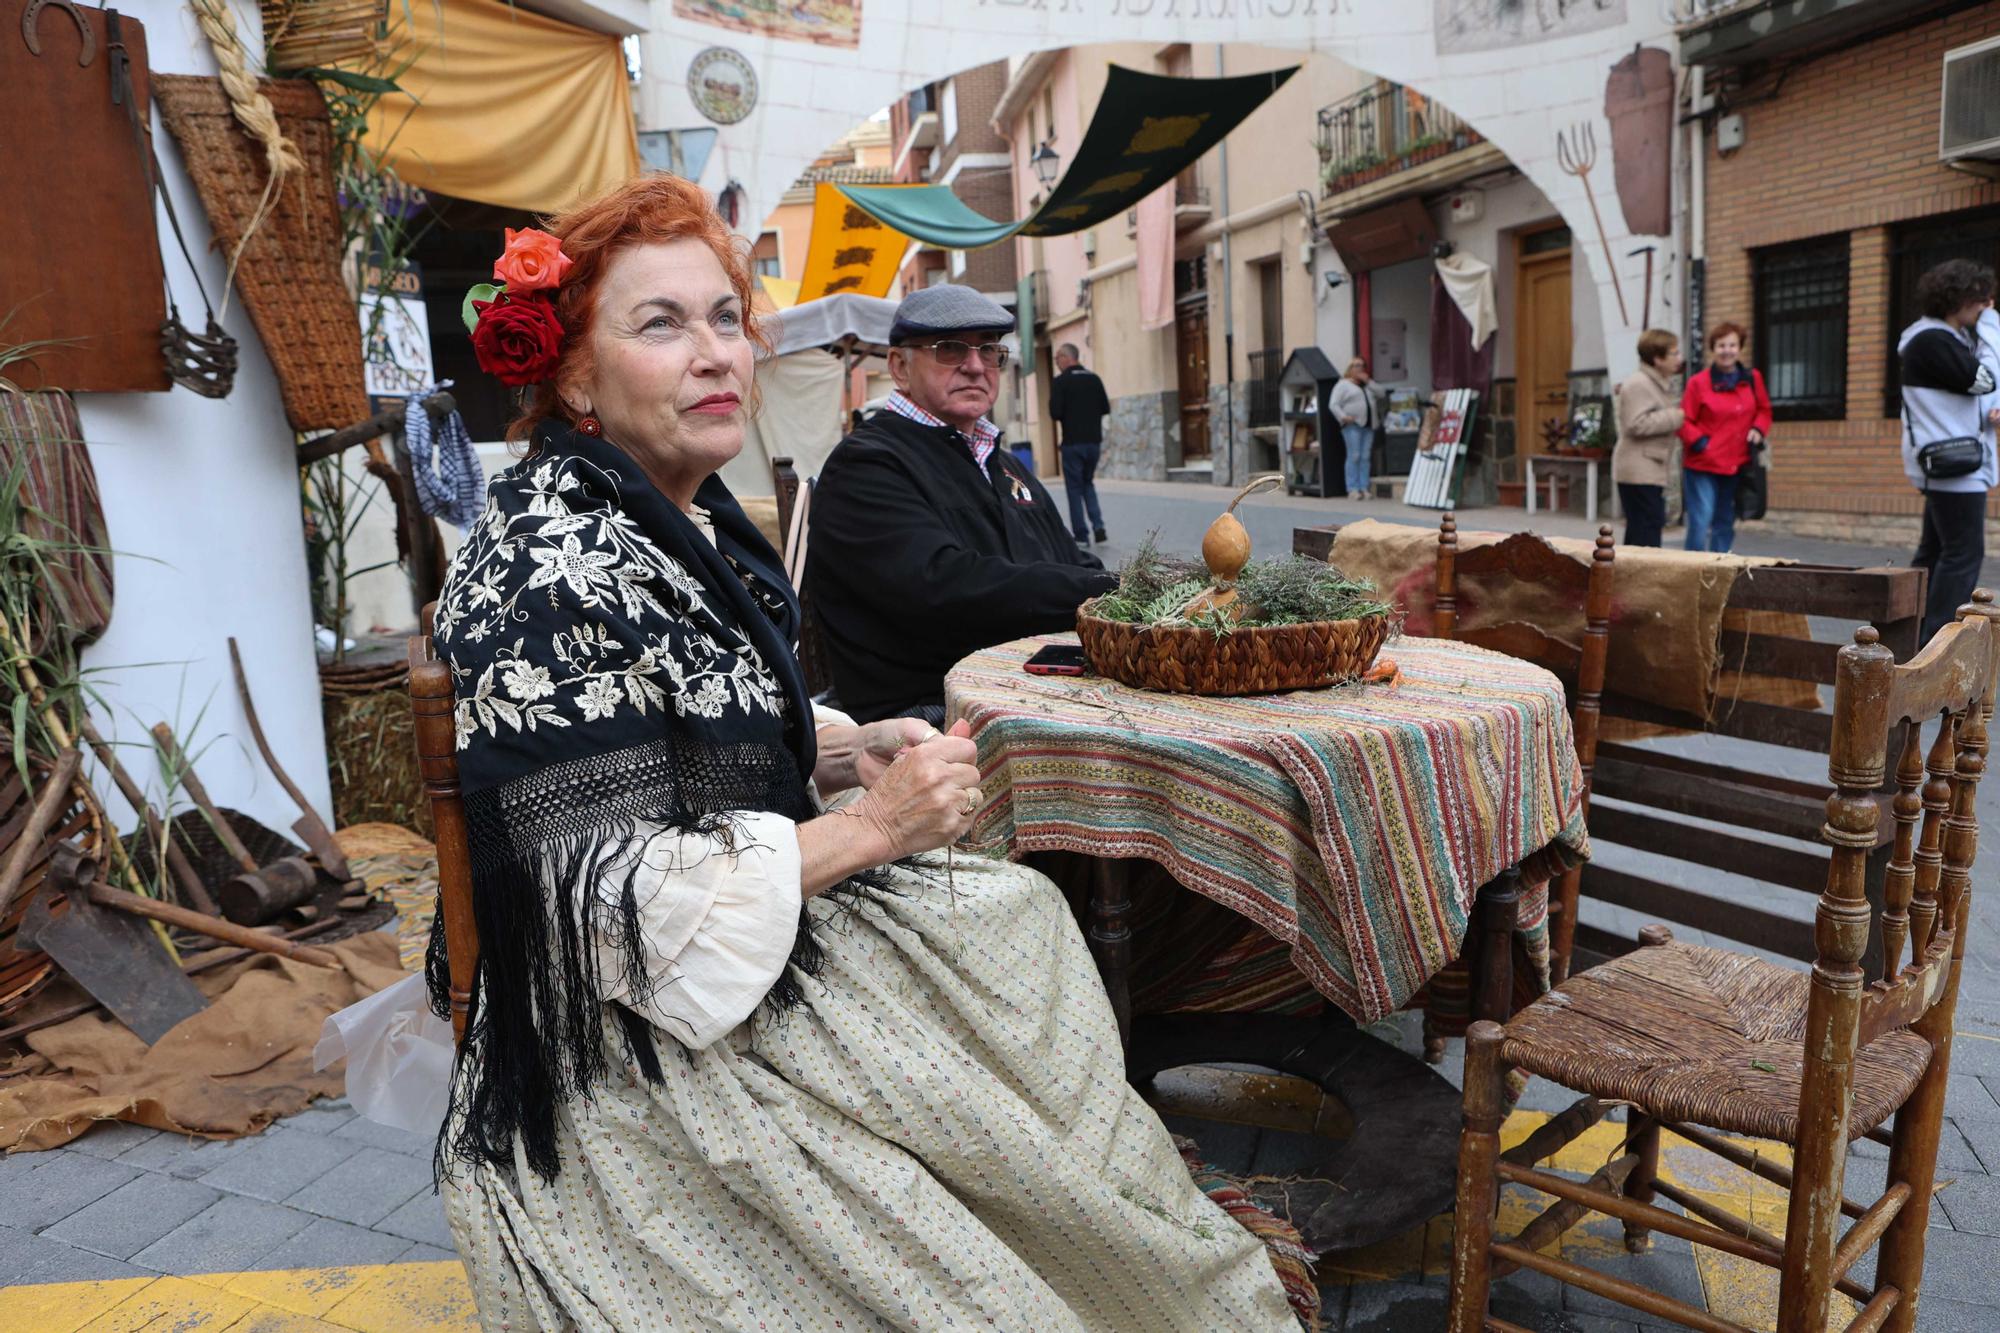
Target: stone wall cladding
x: 1849, y: 145
x: 1136, y: 436
x: 1225, y: 401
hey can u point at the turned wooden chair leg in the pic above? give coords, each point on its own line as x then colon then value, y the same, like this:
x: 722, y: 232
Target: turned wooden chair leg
x: 1478, y: 1179
x: 1433, y: 1042
x: 1645, y: 1142
x: 1496, y: 911
x: 1913, y: 1158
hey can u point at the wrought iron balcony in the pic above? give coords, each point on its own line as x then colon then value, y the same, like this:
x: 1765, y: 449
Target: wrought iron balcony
x: 1384, y: 130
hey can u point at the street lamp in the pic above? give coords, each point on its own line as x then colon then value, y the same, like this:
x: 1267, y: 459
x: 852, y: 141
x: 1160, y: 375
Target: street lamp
x: 1045, y: 160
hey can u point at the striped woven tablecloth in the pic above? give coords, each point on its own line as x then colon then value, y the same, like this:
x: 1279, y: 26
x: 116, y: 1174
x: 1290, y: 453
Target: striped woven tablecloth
x: 1354, y: 823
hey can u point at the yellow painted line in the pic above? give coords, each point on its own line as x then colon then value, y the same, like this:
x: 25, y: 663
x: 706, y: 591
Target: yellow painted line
x: 360, y: 1298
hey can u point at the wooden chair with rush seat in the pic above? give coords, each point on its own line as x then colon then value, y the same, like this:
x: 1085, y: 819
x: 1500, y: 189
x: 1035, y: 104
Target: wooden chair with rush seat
x: 432, y: 702
x: 1526, y: 557
x: 1706, y: 1042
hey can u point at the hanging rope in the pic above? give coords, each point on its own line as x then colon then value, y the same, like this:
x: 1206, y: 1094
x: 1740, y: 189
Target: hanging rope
x: 253, y: 111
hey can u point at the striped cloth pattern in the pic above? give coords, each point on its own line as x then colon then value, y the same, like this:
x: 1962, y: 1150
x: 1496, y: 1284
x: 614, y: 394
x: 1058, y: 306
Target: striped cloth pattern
x: 1355, y: 824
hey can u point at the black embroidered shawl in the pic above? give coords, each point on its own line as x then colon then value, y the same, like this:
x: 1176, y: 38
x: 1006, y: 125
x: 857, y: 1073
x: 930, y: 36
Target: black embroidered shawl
x: 615, y: 671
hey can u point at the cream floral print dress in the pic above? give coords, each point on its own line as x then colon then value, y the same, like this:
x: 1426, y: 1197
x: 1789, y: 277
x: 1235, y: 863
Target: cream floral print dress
x: 689, y: 1100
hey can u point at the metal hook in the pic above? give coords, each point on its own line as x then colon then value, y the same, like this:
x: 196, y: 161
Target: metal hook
x: 33, y: 12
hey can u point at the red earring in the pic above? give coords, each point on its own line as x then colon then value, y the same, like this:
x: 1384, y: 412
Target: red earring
x: 590, y: 425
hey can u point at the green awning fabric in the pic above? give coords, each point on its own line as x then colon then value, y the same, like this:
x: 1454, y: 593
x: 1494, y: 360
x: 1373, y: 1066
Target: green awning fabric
x: 1147, y: 129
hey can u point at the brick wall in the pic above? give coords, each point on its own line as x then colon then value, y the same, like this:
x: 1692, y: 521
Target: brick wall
x: 978, y: 91
x: 989, y: 192
x: 1849, y: 145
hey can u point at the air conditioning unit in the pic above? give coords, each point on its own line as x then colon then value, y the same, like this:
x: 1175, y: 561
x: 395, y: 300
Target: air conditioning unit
x: 1969, y: 115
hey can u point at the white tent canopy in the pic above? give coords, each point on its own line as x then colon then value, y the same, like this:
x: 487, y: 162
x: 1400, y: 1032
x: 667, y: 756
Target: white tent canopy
x: 843, y: 322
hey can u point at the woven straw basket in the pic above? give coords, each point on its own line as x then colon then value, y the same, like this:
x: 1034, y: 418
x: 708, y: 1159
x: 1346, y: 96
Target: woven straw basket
x: 1188, y: 660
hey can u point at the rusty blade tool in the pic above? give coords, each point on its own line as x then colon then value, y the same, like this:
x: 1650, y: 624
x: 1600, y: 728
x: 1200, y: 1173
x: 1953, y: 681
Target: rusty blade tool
x: 116, y: 959
x: 312, y: 830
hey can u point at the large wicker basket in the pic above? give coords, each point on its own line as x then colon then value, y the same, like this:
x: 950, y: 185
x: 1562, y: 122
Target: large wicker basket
x: 1187, y: 660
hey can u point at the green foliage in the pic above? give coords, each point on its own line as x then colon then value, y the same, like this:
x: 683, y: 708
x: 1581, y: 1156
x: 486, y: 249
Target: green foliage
x: 1156, y: 589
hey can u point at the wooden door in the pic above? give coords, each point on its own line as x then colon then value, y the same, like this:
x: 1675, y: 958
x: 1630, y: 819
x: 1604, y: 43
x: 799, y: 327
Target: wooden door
x: 1541, y: 335
x: 1191, y: 345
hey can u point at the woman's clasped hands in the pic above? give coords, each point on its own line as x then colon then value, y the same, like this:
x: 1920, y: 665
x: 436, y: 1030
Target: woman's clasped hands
x: 922, y: 785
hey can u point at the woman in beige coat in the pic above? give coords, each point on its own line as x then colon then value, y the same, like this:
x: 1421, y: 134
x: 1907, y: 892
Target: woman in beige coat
x: 1648, y: 414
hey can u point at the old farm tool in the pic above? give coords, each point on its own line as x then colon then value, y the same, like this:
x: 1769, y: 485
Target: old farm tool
x: 156, y: 828
x: 1576, y: 151
x: 312, y: 830
x: 116, y: 959
x: 260, y: 892
x: 132, y: 905
x: 1646, y: 306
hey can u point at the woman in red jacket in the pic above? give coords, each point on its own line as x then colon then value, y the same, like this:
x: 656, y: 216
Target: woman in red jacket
x: 1725, y: 416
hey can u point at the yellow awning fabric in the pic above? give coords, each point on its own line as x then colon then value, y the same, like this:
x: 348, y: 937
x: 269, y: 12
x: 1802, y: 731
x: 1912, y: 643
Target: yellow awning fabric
x: 504, y: 106
x: 850, y: 250
x: 782, y: 293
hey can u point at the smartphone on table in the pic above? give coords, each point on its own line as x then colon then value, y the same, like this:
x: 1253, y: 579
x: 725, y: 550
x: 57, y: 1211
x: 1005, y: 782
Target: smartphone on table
x: 1058, y: 659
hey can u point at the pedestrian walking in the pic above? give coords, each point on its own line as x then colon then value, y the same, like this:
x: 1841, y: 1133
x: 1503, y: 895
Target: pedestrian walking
x: 1648, y: 411
x: 1725, y: 418
x: 1951, y: 366
x: 1078, y: 406
x: 1353, y: 406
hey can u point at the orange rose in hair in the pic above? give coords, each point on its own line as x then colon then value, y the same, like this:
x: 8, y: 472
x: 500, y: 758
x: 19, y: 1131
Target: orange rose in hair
x: 532, y: 262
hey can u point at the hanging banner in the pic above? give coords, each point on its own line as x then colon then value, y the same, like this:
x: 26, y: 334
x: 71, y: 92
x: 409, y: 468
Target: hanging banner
x: 1148, y: 127
x: 851, y: 249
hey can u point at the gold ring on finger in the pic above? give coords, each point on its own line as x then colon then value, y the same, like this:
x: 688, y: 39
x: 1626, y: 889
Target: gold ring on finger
x: 972, y: 795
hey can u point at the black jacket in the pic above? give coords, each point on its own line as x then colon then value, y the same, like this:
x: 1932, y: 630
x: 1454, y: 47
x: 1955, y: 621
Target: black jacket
x: 916, y: 559
x: 1078, y: 404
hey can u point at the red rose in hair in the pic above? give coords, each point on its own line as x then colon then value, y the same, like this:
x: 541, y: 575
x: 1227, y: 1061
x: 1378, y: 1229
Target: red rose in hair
x: 517, y: 341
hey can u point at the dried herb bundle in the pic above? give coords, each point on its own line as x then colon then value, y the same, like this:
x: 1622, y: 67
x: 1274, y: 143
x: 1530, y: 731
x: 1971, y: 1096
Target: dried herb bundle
x: 1156, y: 589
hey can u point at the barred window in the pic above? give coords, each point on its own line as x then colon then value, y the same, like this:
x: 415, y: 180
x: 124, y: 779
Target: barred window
x: 1801, y: 328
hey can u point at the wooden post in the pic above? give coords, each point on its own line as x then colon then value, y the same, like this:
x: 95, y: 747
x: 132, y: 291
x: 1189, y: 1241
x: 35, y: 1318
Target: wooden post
x: 1584, y: 716
x: 1862, y: 683
x: 1478, y: 1179
x: 1444, y: 607
x: 1497, y: 910
x: 1110, y: 937
x: 432, y: 703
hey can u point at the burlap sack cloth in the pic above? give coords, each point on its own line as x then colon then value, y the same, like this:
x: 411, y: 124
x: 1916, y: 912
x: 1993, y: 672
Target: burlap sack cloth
x: 1667, y: 612
x: 227, y: 1071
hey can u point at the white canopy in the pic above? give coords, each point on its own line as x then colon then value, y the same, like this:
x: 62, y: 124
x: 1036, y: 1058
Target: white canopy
x: 844, y: 321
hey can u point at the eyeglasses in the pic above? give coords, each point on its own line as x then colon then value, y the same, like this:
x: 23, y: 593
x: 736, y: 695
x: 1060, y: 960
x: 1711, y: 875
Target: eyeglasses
x: 952, y: 352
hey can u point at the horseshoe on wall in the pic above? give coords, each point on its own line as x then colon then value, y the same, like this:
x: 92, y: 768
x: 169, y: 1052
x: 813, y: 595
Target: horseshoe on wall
x: 33, y: 12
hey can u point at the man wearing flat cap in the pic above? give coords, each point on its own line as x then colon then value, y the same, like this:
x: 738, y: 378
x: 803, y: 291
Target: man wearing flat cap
x: 929, y: 539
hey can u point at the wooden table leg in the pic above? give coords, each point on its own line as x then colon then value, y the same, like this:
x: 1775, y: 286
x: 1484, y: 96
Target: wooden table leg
x: 1496, y: 912
x: 1110, y: 936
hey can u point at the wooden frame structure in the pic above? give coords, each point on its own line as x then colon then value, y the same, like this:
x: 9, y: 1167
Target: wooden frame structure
x: 1894, y: 1033
x: 1528, y: 558
x: 432, y: 702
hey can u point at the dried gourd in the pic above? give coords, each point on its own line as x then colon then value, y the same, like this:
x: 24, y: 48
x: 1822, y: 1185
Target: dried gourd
x: 1225, y: 549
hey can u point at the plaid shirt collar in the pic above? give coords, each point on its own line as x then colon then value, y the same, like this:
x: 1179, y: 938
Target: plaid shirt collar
x: 980, y: 436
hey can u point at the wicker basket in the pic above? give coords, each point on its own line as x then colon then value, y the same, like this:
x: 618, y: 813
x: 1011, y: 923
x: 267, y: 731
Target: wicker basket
x: 1187, y: 660
x: 290, y: 271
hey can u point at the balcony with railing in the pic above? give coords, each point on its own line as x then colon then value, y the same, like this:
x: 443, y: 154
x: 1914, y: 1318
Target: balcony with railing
x: 1382, y: 131
x: 1726, y: 33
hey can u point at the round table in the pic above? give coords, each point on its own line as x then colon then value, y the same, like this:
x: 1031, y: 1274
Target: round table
x: 1359, y: 825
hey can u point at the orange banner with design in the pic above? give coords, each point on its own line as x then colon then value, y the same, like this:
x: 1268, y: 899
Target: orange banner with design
x: 850, y: 250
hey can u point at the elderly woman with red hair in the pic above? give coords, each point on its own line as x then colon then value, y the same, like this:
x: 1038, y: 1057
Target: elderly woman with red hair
x: 735, y: 1061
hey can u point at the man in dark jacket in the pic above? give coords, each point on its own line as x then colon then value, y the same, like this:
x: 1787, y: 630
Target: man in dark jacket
x: 1078, y: 406
x: 929, y: 540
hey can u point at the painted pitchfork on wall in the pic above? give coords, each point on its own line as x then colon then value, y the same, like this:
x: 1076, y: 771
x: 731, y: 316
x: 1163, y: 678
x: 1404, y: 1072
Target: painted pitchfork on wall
x: 1576, y: 151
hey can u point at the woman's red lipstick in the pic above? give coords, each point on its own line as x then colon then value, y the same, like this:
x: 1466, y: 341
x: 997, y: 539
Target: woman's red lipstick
x: 719, y: 404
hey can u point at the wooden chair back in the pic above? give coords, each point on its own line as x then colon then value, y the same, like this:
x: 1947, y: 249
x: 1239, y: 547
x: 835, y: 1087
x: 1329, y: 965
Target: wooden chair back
x: 432, y: 703
x: 1528, y: 558
x: 1879, y: 706
x: 795, y: 524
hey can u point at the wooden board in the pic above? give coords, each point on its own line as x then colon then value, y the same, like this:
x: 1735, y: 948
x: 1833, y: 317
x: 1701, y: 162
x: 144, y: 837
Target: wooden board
x: 1438, y: 467
x: 83, y: 259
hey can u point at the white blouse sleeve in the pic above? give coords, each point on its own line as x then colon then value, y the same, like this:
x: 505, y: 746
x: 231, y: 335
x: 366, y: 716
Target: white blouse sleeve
x: 830, y: 717
x: 718, y: 914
